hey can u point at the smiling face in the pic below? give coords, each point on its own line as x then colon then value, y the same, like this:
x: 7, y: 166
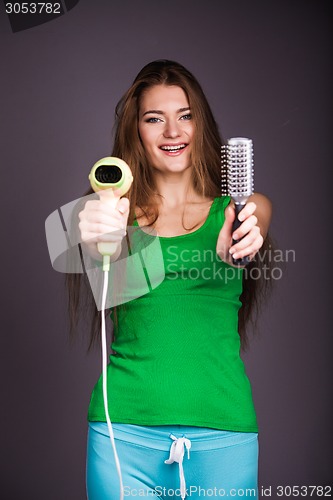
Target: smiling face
x: 166, y: 128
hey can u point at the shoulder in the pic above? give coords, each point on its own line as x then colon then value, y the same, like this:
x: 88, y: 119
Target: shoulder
x: 259, y: 197
x: 262, y: 201
x: 217, y: 211
x: 220, y: 203
x: 263, y: 211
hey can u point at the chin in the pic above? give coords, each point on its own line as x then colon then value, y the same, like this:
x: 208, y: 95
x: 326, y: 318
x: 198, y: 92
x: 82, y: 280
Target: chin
x: 174, y: 165
x: 174, y: 168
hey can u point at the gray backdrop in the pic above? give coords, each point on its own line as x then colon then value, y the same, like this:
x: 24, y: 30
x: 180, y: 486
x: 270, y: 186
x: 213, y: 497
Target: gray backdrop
x: 265, y: 67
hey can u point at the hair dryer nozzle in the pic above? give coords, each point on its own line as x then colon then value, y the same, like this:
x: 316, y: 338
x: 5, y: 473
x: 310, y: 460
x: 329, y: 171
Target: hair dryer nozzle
x: 111, y: 173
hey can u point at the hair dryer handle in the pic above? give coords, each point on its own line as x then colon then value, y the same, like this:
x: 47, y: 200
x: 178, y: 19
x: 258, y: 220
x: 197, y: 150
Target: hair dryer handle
x: 108, y: 197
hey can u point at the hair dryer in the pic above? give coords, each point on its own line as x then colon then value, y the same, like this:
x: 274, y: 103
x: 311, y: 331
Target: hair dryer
x: 111, y: 178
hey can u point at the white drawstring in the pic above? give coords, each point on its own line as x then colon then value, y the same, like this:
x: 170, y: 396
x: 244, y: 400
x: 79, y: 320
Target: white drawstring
x: 176, y: 455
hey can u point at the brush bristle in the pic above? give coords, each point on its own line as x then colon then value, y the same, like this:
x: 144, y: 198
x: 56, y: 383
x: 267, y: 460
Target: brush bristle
x: 237, y: 169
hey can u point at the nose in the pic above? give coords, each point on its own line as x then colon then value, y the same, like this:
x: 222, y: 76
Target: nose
x: 172, y: 129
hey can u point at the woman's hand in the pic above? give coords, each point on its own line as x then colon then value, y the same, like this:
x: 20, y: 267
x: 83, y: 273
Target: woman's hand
x: 101, y: 223
x: 255, y: 218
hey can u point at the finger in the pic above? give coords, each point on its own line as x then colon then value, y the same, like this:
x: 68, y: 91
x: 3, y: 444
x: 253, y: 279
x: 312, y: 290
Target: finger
x: 248, y: 210
x: 123, y: 205
x: 99, y: 210
x: 101, y: 228
x: 91, y: 204
x: 225, y: 233
x: 106, y: 219
x: 247, y: 246
x: 245, y: 227
x: 87, y: 237
x: 107, y: 237
x: 229, y: 215
x: 96, y: 206
x: 97, y: 228
x: 224, y: 239
x: 248, y: 239
x: 88, y: 207
x: 106, y: 234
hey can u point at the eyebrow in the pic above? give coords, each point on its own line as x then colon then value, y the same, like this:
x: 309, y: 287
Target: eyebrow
x: 159, y: 112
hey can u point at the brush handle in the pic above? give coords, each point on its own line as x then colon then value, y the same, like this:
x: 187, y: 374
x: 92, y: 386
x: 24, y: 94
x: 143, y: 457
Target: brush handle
x: 244, y: 260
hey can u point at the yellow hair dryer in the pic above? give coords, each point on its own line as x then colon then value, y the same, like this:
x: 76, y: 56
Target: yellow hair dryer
x: 111, y: 178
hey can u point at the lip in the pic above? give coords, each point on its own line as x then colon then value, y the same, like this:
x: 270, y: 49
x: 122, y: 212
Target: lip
x: 173, y: 153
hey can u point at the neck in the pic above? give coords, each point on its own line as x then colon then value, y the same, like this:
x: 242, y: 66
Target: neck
x: 175, y: 189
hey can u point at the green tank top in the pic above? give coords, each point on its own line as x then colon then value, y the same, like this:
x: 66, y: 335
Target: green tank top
x: 177, y: 348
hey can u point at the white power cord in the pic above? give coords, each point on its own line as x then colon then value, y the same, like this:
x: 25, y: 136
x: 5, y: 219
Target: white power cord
x: 106, y: 266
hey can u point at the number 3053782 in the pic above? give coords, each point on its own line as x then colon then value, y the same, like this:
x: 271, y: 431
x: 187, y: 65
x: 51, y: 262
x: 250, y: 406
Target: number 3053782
x: 33, y: 8
x: 304, y: 491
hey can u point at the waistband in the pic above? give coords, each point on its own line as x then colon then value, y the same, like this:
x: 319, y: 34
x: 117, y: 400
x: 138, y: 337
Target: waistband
x: 158, y: 437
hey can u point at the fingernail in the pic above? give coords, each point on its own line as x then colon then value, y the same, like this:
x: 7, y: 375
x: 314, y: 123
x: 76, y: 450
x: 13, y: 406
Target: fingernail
x: 231, y: 251
x: 235, y: 236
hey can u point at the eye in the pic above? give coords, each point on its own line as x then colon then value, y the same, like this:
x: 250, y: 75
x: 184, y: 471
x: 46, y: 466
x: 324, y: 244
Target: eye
x: 153, y: 120
x: 186, y: 117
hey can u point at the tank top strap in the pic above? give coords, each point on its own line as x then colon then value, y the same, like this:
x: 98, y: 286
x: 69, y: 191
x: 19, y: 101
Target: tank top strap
x: 218, y: 208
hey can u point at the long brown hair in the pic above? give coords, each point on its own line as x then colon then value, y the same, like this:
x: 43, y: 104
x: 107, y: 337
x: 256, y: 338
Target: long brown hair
x: 206, y: 177
x: 205, y: 158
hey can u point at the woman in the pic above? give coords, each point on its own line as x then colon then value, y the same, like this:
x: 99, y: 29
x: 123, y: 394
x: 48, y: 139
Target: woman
x: 175, y: 375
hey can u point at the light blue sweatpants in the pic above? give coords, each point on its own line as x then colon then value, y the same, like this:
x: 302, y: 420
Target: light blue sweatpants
x: 221, y: 463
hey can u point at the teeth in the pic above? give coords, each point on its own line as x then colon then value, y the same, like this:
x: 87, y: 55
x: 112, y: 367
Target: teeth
x: 173, y: 148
